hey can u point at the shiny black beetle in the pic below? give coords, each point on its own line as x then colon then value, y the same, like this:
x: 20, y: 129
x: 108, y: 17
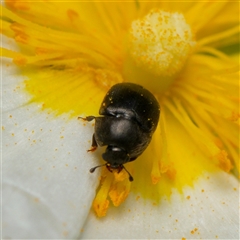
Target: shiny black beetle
x: 130, y: 115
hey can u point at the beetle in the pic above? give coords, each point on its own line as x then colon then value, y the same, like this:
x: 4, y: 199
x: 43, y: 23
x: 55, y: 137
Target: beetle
x: 129, y: 115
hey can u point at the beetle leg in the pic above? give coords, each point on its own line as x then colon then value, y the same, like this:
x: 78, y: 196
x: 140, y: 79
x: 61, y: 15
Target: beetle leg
x: 88, y: 118
x: 94, y: 144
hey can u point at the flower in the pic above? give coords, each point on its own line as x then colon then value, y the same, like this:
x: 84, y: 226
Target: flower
x: 70, y: 62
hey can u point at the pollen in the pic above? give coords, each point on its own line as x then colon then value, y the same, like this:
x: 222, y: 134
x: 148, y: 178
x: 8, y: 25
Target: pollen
x: 161, y: 163
x: 223, y: 161
x: 161, y: 42
x: 101, y: 203
x: 119, y: 191
x: 18, y: 5
x: 20, y: 60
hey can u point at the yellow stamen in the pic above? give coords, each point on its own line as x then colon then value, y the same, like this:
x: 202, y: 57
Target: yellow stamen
x: 115, y: 185
x: 155, y: 174
x: 120, y: 176
x: 215, y: 52
x: 207, y: 145
x: 100, y: 203
x: 156, y: 148
x: 223, y: 162
x: 222, y: 35
x: 18, y: 4
x: 120, y: 189
x: 210, y: 10
x: 65, y: 45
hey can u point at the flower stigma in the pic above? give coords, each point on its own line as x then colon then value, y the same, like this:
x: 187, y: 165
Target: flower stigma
x: 159, y: 45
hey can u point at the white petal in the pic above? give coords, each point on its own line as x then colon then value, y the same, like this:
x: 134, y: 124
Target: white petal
x: 47, y: 187
x: 211, y: 212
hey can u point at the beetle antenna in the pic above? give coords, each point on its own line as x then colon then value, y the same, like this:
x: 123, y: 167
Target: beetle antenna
x: 130, y: 176
x: 93, y: 169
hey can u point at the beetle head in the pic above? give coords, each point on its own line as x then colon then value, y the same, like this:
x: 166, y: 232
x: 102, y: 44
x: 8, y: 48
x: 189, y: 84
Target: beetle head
x: 115, y: 158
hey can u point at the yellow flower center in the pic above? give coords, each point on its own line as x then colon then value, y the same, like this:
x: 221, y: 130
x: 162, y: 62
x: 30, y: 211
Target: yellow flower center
x: 159, y: 45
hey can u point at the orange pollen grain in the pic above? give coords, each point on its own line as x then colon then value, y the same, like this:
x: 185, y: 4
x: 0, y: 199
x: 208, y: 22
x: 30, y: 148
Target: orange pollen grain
x: 137, y: 198
x: 19, y: 5
x: 72, y: 15
x: 20, y: 60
